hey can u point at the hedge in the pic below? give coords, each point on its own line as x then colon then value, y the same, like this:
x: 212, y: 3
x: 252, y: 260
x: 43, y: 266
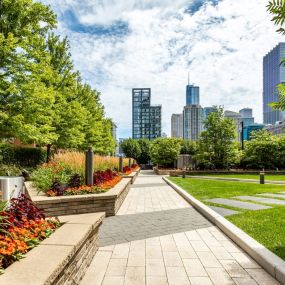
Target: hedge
x: 22, y: 156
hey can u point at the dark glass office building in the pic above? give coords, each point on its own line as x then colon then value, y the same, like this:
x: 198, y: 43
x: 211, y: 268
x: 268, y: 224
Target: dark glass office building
x: 146, y: 118
x: 273, y: 74
x: 192, y: 95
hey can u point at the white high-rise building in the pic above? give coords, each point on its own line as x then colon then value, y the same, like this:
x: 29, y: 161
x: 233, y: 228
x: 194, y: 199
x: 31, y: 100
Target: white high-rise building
x: 177, y: 126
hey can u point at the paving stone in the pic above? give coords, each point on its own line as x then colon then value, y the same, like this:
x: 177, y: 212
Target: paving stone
x: 123, y: 228
x: 194, y: 268
x: 262, y: 277
x: 219, y: 276
x: 262, y: 200
x: 223, y: 211
x: 275, y: 195
x: 154, y: 280
x: 245, y: 281
x: 208, y: 259
x: 238, y: 204
x: 234, y: 269
x: 200, y: 281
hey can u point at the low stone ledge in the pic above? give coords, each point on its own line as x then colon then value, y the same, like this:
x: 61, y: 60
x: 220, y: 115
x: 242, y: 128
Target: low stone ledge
x: 108, y: 202
x: 133, y: 176
x: 63, y: 258
x: 272, y: 263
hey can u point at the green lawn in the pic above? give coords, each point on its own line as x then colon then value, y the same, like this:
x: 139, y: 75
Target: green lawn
x: 266, y: 226
x: 248, y: 176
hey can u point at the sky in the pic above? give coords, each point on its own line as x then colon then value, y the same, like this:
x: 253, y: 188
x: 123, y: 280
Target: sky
x: 118, y: 45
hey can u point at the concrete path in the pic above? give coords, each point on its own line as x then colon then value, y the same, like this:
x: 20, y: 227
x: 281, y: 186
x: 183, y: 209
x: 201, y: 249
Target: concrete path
x: 164, y: 241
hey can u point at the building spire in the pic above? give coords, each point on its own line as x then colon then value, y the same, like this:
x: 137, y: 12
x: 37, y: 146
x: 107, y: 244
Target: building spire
x: 188, y: 78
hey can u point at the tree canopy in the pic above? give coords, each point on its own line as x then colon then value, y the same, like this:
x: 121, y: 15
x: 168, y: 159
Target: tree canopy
x: 216, y: 147
x: 42, y: 96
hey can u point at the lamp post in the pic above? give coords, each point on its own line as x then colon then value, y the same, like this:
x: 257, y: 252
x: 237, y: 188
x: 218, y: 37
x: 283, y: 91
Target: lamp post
x: 241, y: 136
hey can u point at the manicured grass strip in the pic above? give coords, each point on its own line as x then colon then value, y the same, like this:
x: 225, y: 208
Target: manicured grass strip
x: 266, y: 226
x: 248, y: 176
x: 208, y: 189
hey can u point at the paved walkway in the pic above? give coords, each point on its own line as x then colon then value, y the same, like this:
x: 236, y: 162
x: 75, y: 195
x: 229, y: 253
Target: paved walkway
x: 159, y: 239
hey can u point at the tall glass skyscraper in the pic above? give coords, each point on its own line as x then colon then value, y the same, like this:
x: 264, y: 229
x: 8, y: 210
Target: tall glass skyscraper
x: 192, y: 95
x: 273, y: 74
x: 146, y: 118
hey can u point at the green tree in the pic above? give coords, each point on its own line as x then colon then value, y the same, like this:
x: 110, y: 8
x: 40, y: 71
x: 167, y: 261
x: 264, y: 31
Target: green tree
x: 188, y: 147
x: 264, y: 150
x: 217, y: 148
x: 144, y: 157
x: 131, y: 148
x: 24, y: 99
x: 164, y: 151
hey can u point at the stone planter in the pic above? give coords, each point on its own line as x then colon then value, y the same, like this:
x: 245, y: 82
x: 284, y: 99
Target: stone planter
x: 133, y: 176
x: 63, y: 258
x: 108, y: 202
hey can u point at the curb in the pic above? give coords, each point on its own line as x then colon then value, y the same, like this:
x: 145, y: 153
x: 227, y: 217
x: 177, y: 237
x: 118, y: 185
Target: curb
x: 273, y: 264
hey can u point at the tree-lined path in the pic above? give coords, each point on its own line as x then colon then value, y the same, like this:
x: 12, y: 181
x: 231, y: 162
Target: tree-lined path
x: 157, y: 238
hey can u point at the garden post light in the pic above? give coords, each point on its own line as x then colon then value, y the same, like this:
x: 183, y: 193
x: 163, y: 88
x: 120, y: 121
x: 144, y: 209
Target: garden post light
x: 89, y: 166
x: 120, y: 164
x: 261, y: 177
x: 184, y: 174
x: 130, y: 162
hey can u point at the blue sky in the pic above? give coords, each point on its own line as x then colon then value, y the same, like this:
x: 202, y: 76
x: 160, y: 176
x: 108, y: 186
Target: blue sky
x: 118, y: 45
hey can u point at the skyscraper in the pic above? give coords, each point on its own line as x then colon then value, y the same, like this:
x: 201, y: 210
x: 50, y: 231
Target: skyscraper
x: 273, y: 74
x: 236, y: 117
x: 192, y: 122
x: 246, y: 117
x: 192, y: 95
x: 146, y: 118
x: 208, y: 110
x: 177, y: 126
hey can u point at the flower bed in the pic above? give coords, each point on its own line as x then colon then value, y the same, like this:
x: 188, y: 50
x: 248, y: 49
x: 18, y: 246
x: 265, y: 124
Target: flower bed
x: 58, y: 179
x: 22, y: 227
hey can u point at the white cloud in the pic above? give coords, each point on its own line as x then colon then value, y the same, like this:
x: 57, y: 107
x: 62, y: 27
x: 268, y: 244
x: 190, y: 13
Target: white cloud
x: 224, y: 44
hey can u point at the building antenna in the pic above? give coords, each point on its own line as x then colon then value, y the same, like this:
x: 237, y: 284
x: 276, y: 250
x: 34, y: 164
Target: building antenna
x: 188, y: 78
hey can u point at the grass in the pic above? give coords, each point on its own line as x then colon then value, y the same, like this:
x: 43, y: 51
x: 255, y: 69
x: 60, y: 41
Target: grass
x: 249, y: 176
x: 266, y: 226
x: 208, y: 189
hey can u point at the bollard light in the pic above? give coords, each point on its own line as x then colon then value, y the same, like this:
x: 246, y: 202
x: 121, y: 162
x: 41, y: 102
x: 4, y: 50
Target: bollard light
x: 130, y: 162
x: 89, y: 166
x: 262, y: 177
x: 120, y: 164
x: 183, y: 174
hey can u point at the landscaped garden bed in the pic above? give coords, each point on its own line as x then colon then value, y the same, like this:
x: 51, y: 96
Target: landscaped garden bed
x: 59, y: 188
x: 22, y: 227
x: 63, y: 258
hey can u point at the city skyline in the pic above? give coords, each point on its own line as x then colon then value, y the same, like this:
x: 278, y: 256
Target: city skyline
x: 181, y: 36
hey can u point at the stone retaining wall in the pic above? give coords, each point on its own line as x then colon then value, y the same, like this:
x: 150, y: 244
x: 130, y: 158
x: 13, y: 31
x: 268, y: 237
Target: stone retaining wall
x: 63, y: 258
x: 108, y: 202
x: 133, y: 176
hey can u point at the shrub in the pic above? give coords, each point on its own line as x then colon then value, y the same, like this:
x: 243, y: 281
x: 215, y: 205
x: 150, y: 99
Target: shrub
x: 12, y: 170
x: 50, y: 173
x: 164, y: 151
x: 103, y: 176
x: 23, y: 156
